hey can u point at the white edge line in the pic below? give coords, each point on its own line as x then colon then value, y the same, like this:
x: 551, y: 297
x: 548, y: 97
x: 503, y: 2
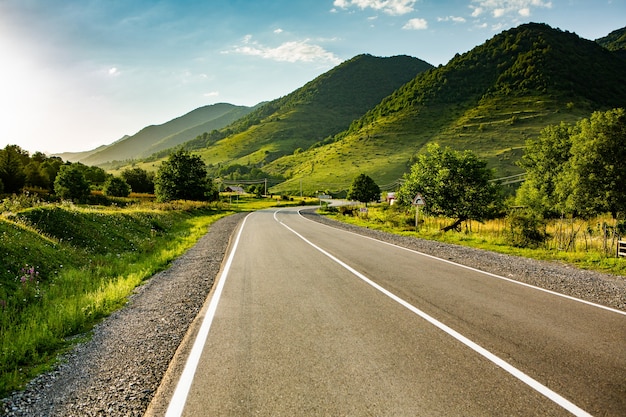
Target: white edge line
x: 536, y: 385
x: 177, y: 403
x: 569, y: 297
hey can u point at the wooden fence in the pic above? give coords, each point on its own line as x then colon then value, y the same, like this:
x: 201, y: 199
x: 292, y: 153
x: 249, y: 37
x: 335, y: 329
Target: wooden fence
x: 621, y: 248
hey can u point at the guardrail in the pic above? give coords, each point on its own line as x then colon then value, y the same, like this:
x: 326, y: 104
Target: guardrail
x: 621, y: 248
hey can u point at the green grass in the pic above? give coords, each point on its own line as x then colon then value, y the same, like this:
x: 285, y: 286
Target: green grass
x: 575, y: 242
x: 64, y: 268
x: 495, y: 129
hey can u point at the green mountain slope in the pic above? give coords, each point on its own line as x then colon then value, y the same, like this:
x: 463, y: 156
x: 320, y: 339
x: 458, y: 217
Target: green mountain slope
x: 615, y: 41
x: 490, y: 100
x: 152, y: 139
x: 321, y: 108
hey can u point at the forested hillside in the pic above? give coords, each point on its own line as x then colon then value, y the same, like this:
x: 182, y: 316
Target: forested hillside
x: 321, y: 108
x: 490, y: 100
x: 615, y: 42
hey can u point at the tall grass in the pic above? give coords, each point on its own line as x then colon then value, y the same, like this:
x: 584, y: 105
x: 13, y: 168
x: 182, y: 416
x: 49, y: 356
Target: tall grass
x: 66, y: 267
x: 589, y: 244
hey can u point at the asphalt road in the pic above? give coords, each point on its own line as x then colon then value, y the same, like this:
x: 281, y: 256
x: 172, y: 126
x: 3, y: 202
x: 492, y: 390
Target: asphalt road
x: 307, y: 320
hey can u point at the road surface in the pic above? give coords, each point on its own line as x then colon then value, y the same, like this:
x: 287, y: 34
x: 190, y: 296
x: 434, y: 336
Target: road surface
x: 307, y: 320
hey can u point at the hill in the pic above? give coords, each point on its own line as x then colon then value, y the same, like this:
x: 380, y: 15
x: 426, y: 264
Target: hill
x: 615, y: 41
x: 152, y: 139
x: 77, y: 156
x: 320, y: 109
x: 490, y: 100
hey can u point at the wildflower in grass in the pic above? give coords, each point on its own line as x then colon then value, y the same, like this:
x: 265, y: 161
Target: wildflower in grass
x: 29, y: 281
x: 29, y: 274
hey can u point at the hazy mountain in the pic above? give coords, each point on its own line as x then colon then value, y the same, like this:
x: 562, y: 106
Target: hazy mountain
x: 167, y: 135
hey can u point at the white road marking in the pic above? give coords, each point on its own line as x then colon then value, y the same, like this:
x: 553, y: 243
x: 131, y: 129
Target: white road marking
x: 536, y: 385
x: 569, y: 297
x: 177, y: 403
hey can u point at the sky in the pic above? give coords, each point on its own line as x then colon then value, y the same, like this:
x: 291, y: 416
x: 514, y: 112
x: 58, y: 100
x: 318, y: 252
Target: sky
x: 77, y: 74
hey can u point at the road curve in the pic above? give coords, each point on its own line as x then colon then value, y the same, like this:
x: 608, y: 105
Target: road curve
x: 310, y: 320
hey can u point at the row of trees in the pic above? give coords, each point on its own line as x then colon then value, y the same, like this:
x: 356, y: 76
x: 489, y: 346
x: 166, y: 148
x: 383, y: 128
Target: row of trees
x: 51, y: 175
x: 181, y: 176
x: 576, y: 170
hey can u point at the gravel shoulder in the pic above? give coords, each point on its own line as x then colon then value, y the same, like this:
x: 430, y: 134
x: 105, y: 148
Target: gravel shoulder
x: 119, y: 370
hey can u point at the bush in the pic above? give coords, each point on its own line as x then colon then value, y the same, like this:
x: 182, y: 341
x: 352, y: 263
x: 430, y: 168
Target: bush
x: 527, y: 230
x: 116, y: 187
x: 348, y: 210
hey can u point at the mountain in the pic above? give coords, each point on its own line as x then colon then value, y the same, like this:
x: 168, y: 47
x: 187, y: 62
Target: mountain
x: 489, y: 100
x: 77, y: 156
x: 615, y: 42
x: 152, y: 139
x: 318, y: 110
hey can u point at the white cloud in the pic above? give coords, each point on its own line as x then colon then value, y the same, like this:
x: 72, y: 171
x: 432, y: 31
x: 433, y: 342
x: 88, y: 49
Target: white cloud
x: 294, y: 51
x: 416, y: 24
x: 501, y: 8
x: 455, y: 19
x: 114, y: 72
x: 392, y: 7
x: 211, y: 94
x: 278, y: 31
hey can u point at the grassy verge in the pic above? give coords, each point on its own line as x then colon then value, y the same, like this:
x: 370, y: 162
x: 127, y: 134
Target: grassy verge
x: 583, y: 244
x: 66, y: 267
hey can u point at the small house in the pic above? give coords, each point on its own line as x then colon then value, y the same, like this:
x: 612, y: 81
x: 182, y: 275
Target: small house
x: 234, y: 189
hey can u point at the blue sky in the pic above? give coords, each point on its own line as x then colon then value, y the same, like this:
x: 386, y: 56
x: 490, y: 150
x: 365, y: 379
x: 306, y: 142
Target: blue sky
x: 77, y: 74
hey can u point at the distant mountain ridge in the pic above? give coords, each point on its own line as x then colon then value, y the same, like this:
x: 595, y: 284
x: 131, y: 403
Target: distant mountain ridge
x: 155, y: 138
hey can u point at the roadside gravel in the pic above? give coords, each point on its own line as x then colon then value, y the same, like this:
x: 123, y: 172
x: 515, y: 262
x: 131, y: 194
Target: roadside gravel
x: 117, y: 372
x: 608, y: 290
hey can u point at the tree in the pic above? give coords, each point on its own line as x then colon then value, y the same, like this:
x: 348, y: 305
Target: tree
x: 94, y: 175
x: 594, y: 179
x: 70, y: 183
x: 578, y: 169
x: 364, y: 189
x: 50, y: 168
x: 183, y: 177
x: 116, y: 187
x: 453, y: 184
x: 139, y: 180
x: 544, y: 160
x: 35, y: 177
x: 12, y: 161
